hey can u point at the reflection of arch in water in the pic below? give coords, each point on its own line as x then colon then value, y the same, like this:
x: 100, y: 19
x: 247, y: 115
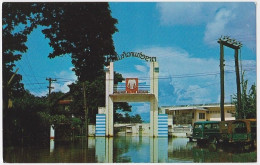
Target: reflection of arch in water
x: 104, y: 149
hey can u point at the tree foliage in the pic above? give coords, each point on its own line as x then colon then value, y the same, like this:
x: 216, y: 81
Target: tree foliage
x: 120, y: 118
x: 95, y: 96
x: 23, y: 122
x: 83, y: 30
x: 248, y: 100
x: 18, y: 20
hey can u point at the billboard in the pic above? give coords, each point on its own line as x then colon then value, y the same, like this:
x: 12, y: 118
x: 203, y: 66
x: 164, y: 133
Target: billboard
x: 131, y: 85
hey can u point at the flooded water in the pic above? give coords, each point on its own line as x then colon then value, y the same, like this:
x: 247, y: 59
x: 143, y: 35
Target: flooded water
x: 128, y: 149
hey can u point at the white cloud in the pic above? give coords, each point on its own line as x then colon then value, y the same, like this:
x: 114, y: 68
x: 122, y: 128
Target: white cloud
x: 181, y: 13
x: 216, y: 28
x: 141, y: 68
x: 179, y: 67
x: 42, y: 93
x: 192, y: 80
x: 194, y: 93
x: 145, y: 108
x: 236, y: 19
x: 64, y: 78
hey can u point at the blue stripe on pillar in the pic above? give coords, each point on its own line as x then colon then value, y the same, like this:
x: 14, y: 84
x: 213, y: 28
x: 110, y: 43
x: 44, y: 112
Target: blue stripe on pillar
x: 100, y: 125
x: 163, y: 125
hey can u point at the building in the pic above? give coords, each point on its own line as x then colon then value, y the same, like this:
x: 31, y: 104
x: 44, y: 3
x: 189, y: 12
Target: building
x: 188, y: 114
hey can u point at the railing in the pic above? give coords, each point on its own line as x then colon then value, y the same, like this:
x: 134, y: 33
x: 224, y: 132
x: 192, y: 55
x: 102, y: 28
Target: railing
x: 182, y: 129
x: 121, y: 88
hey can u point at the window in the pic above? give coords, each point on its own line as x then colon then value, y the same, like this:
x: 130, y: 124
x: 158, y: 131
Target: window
x: 239, y: 127
x: 215, y: 126
x: 207, y: 126
x: 201, y: 115
x: 197, y: 126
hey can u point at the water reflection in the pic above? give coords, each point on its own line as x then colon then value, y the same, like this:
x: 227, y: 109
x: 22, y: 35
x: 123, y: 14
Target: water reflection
x: 100, y: 149
x: 127, y: 149
x: 162, y: 149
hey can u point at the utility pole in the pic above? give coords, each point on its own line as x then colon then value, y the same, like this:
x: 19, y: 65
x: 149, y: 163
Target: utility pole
x: 85, y: 108
x: 50, y: 87
x: 238, y: 86
x: 222, y: 99
x: 50, y: 81
x: 231, y: 43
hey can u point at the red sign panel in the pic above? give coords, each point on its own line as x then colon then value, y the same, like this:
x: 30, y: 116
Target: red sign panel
x: 131, y: 85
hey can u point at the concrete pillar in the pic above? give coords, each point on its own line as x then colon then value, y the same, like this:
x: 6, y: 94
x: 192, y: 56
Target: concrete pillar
x: 109, y: 101
x: 52, y: 132
x: 154, y: 73
x: 110, y: 117
x: 52, y: 136
x: 106, y: 97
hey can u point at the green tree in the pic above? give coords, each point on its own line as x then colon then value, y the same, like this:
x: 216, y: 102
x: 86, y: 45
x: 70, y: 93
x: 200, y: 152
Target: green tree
x: 24, y: 123
x: 83, y: 30
x: 136, y: 119
x: 127, y: 118
x: 95, y: 92
x: 21, y: 120
x: 248, y: 100
x: 18, y: 20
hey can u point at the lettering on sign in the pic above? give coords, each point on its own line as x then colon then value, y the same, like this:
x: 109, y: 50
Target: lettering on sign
x: 132, y: 54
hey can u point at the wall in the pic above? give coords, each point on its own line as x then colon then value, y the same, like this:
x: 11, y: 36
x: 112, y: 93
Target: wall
x: 91, y: 130
x: 214, y: 113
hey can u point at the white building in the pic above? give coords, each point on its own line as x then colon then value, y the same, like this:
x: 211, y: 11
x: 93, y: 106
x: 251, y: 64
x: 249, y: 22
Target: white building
x: 188, y: 114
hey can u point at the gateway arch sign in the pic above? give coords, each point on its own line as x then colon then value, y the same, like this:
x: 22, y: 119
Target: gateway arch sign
x: 132, y: 96
x: 132, y: 54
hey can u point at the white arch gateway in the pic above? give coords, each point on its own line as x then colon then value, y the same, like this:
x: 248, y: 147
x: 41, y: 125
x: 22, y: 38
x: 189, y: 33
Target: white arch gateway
x: 105, y: 121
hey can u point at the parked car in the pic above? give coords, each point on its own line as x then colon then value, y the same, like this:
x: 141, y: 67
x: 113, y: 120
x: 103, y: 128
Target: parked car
x: 239, y: 131
x: 206, y: 131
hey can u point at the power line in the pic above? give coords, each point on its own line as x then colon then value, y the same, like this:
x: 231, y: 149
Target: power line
x: 26, y: 77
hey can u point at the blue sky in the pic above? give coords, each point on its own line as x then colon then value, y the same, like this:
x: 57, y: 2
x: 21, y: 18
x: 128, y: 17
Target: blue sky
x: 183, y: 37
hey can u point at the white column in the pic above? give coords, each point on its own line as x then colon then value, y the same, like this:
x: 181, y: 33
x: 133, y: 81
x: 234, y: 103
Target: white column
x: 109, y: 101
x: 154, y: 73
x: 106, y: 97
x: 52, y: 136
x: 151, y: 99
x: 52, y: 132
x: 110, y: 117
